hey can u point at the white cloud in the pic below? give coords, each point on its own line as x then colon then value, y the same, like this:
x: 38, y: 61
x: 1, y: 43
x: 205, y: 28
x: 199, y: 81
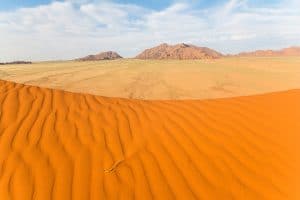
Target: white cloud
x: 73, y: 28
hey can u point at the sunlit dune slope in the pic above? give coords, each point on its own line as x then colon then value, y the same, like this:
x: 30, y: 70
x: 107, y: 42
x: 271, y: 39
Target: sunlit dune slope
x: 62, y: 145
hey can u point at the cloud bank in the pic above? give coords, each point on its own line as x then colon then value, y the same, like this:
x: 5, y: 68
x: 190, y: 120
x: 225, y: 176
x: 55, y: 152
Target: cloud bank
x: 70, y: 29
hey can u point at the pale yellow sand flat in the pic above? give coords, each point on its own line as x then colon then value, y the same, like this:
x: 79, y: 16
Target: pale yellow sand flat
x: 163, y: 79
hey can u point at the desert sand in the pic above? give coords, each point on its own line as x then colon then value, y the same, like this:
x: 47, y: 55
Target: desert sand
x: 163, y: 79
x: 61, y: 145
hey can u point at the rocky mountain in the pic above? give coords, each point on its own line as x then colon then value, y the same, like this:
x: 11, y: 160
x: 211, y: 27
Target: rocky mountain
x: 291, y: 51
x: 16, y: 62
x: 108, y: 55
x: 179, y: 51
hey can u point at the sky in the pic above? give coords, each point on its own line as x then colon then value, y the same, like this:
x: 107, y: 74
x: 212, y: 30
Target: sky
x: 65, y: 29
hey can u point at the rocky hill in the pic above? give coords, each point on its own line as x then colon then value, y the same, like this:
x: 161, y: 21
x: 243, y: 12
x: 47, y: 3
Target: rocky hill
x: 15, y: 63
x: 108, y: 55
x: 179, y: 51
x: 291, y: 51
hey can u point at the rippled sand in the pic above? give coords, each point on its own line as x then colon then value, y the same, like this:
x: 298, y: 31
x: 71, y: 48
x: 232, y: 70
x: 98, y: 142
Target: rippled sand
x: 61, y: 145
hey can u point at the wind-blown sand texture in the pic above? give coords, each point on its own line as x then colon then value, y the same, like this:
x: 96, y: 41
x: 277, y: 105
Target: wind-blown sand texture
x: 61, y: 145
x: 163, y: 79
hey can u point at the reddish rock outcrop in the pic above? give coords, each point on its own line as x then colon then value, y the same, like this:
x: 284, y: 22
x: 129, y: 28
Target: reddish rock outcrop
x: 109, y: 55
x: 179, y: 51
x: 291, y: 51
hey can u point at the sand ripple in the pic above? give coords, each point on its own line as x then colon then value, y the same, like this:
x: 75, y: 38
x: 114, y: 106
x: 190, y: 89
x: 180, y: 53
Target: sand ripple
x: 62, y: 145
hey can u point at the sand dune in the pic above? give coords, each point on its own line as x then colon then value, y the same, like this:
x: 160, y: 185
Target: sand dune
x: 62, y: 145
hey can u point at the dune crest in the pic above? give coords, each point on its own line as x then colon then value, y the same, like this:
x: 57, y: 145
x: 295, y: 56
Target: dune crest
x: 61, y: 145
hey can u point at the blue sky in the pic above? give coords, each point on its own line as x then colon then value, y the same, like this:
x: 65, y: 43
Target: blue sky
x: 66, y: 29
x: 14, y: 4
x: 154, y: 4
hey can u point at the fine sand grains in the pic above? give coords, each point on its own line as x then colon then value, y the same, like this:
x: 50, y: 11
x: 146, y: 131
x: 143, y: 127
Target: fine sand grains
x: 62, y: 145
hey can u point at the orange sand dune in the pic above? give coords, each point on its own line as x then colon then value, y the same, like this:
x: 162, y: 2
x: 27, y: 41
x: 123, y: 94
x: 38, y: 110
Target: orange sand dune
x: 62, y: 145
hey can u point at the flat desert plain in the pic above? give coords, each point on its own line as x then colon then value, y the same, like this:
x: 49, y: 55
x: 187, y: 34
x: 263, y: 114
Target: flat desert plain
x: 57, y: 144
x: 163, y: 79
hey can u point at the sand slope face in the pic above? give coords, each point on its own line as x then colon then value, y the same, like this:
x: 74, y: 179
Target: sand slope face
x: 61, y: 145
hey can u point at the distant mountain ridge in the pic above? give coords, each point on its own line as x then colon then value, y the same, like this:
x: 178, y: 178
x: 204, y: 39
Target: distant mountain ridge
x: 108, y: 55
x: 179, y: 51
x: 184, y: 51
x: 290, y: 51
x: 15, y: 62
